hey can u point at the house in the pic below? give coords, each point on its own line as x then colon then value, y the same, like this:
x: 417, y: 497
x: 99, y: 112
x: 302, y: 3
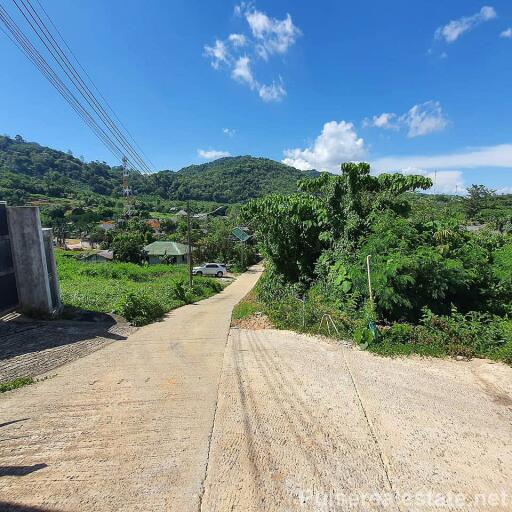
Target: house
x: 98, y: 257
x: 240, y: 234
x: 107, y: 225
x: 166, y: 252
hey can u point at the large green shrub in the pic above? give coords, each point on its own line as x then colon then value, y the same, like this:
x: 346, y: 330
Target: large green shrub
x: 139, y: 308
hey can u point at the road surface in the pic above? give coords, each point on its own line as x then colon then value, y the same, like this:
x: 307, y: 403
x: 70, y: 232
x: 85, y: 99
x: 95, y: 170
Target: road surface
x: 182, y: 417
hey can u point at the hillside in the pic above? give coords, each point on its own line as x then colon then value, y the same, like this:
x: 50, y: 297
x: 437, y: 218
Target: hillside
x: 30, y: 171
x: 240, y: 178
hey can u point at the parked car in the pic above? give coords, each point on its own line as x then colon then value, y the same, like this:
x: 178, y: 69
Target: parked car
x: 210, y: 269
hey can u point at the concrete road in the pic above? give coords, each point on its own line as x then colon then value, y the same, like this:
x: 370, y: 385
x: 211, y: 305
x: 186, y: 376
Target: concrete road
x: 176, y: 419
x: 305, y: 425
x: 125, y: 428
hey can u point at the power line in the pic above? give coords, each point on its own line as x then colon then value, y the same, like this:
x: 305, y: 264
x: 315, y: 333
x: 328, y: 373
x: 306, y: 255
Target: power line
x: 24, y: 44
x: 110, y: 135
x: 94, y: 85
x: 45, y: 36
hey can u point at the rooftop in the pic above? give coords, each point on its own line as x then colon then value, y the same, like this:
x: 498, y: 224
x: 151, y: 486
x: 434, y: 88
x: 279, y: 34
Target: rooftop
x: 163, y: 247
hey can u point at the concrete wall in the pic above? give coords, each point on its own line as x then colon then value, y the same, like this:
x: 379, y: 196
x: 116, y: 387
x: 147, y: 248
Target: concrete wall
x: 32, y: 252
x: 53, y: 278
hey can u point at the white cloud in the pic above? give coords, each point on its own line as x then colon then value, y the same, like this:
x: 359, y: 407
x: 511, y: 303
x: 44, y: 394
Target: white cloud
x: 218, y: 52
x: 504, y: 190
x: 212, y: 154
x: 230, y: 132
x: 337, y: 143
x: 421, y: 119
x: 507, y: 33
x: 266, y: 37
x: 237, y: 39
x: 273, y: 35
x: 273, y: 92
x: 384, y: 120
x: 455, y: 28
x: 444, y: 182
x: 242, y: 72
x: 424, y: 119
x: 489, y: 156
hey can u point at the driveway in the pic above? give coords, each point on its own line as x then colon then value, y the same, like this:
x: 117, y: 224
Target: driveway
x: 182, y: 417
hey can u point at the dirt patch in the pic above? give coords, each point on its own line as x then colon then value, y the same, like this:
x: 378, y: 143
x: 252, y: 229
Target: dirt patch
x: 254, y: 322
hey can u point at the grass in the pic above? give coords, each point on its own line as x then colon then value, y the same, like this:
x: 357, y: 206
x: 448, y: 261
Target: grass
x: 247, y: 307
x: 406, y: 349
x: 15, y: 384
x: 107, y: 287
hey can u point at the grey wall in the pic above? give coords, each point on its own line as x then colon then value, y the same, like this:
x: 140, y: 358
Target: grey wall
x: 33, y: 259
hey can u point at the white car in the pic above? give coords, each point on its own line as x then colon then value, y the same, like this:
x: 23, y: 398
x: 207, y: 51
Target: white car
x: 210, y: 269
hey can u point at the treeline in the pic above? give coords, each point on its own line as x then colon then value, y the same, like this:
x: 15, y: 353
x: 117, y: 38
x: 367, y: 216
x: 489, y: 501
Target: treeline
x: 28, y: 171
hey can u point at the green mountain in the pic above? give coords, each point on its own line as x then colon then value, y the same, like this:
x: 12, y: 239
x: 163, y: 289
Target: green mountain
x: 30, y: 171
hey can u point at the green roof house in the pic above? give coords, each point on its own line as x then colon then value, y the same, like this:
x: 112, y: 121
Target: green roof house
x: 240, y: 234
x: 166, y: 252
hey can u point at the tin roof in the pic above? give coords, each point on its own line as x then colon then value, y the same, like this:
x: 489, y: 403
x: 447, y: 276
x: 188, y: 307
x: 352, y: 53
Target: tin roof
x: 240, y: 234
x: 163, y: 247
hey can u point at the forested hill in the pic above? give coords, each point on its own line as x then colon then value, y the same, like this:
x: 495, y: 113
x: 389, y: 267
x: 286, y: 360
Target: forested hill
x: 238, y: 178
x: 30, y: 171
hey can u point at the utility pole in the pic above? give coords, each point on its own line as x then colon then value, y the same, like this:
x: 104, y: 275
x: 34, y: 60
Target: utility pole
x: 369, y: 277
x: 126, y: 188
x: 189, y: 229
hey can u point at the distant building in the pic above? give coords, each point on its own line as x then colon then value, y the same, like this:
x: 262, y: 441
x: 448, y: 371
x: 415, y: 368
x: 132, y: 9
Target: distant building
x: 166, y: 252
x: 240, y: 234
x: 98, y: 257
x: 154, y: 224
x: 107, y: 225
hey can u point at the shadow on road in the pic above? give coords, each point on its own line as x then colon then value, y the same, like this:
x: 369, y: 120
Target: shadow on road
x: 6, y: 506
x: 20, y: 470
x: 18, y: 338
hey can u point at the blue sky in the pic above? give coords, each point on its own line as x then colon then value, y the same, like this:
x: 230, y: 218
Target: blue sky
x: 416, y: 86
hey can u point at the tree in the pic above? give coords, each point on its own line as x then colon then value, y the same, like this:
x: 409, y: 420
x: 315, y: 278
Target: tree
x: 477, y: 199
x: 331, y: 212
x: 128, y: 247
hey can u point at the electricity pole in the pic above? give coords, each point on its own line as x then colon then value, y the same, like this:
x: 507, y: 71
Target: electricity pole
x: 126, y: 188
x: 189, y: 245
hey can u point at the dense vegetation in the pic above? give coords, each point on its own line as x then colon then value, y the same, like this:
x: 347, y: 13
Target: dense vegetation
x: 438, y: 288
x: 141, y: 294
x: 29, y: 171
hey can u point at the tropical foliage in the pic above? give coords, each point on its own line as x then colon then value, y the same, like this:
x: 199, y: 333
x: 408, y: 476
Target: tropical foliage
x: 435, y: 283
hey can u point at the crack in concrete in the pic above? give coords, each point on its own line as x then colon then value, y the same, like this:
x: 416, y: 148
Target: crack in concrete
x: 382, y: 457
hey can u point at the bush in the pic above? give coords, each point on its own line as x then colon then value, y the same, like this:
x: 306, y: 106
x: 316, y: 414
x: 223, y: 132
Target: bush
x: 468, y: 335
x: 105, y: 287
x: 181, y: 292
x: 15, y: 384
x: 140, y: 309
x: 398, y: 334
